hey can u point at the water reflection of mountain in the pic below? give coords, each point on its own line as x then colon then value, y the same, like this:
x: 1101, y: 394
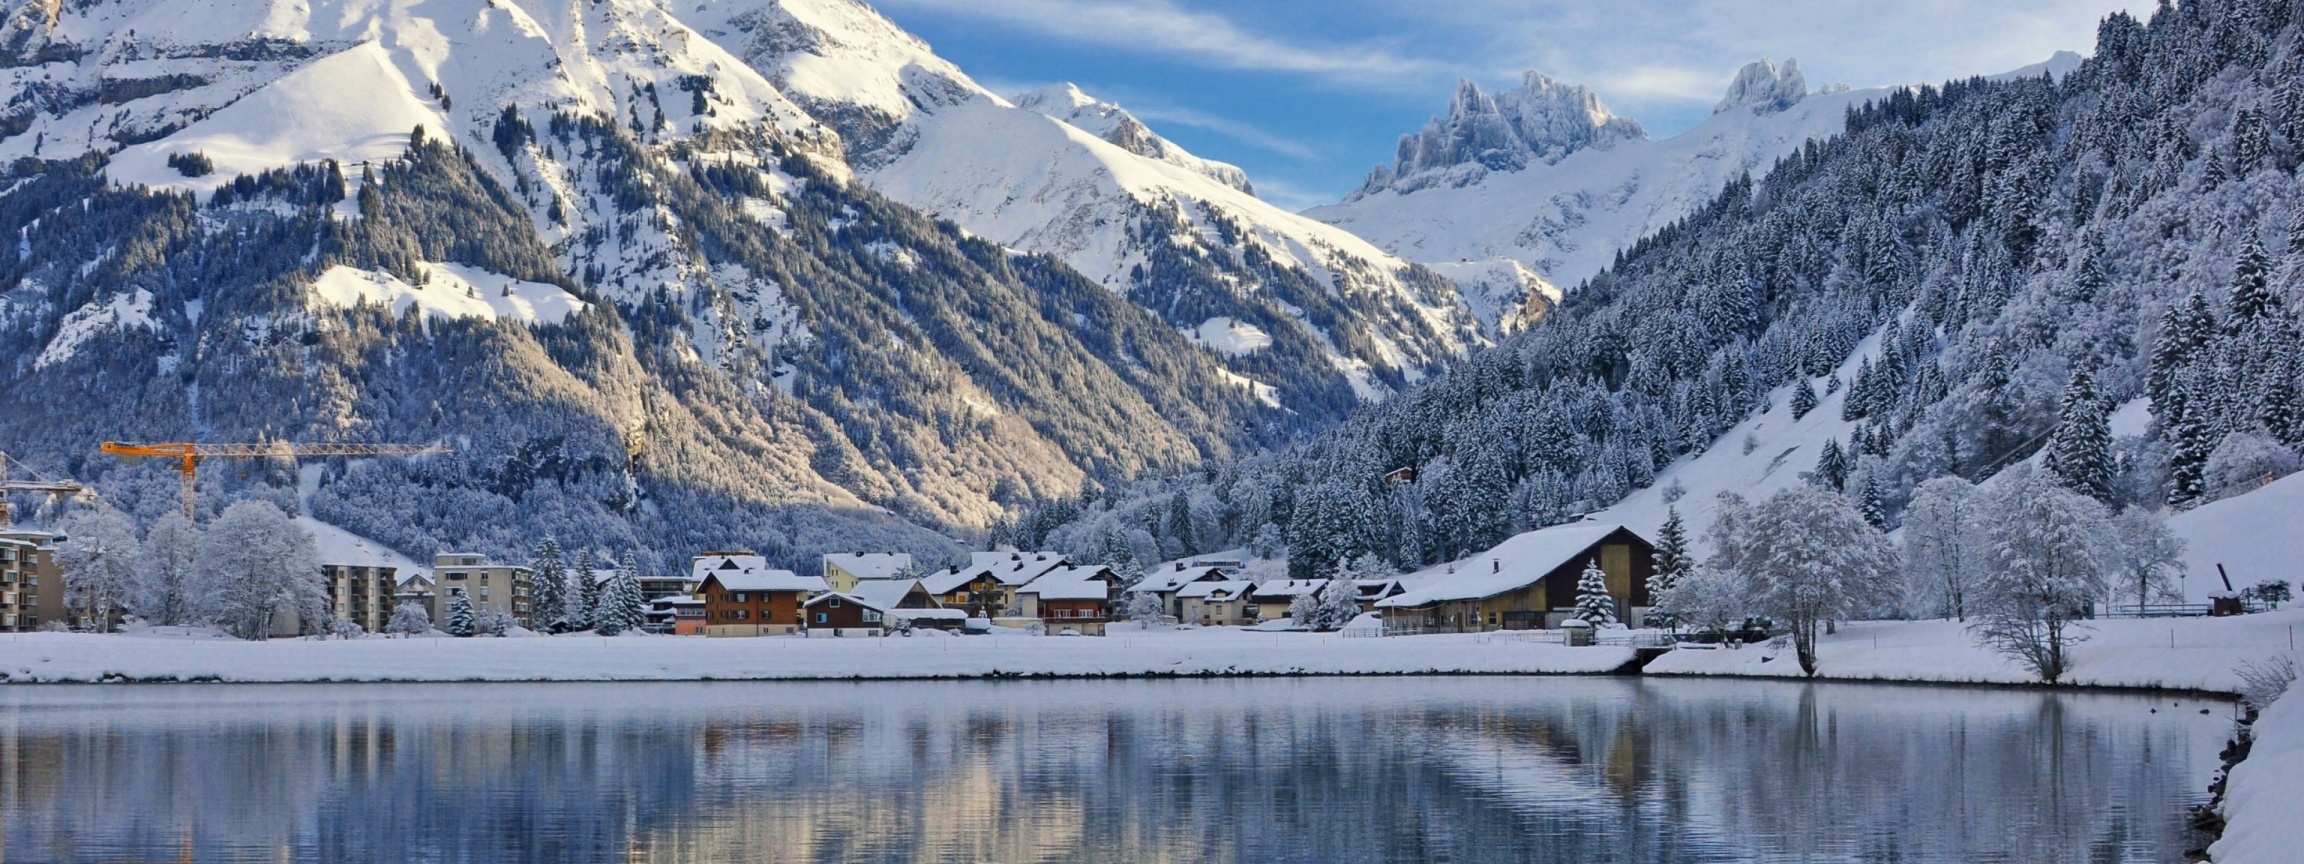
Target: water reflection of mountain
x: 1490, y: 769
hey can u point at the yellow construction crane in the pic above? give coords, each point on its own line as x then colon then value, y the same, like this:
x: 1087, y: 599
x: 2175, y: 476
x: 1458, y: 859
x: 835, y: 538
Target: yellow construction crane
x: 57, y: 488
x: 189, y: 455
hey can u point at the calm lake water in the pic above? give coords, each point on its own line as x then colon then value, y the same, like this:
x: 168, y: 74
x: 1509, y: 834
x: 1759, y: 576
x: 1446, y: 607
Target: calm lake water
x: 1314, y: 770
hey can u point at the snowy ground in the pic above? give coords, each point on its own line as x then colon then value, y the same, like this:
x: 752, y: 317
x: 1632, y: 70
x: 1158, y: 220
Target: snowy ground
x: 2262, y: 797
x: 69, y: 657
x: 2177, y: 654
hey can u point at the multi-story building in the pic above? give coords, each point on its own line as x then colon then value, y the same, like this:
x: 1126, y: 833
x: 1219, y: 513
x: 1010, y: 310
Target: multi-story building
x: 492, y: 587
x: 31, y: 585
x: 363, y: 594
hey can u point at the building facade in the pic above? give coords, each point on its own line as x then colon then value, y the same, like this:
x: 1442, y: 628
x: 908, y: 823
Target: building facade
x: 842, y: 571
x: 364, y: 594
x: 31, y: 585
x: 491, y: 587
x: 743, y: 596
x: 1528, y: 582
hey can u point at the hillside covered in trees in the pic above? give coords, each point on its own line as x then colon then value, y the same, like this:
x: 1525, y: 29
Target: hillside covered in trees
x: 1998, y: 249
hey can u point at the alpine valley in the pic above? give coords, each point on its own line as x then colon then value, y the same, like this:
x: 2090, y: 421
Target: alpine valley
x: 666, y: 275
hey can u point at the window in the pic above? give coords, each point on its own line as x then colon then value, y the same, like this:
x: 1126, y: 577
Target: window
x: 739, y: 597
x: 820, y: 618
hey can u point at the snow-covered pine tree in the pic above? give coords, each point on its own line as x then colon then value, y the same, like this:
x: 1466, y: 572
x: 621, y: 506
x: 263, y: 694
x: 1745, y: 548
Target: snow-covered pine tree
x: 460, y: 618
x: 621, y: 608
x: 2184, y: 336
x: 1871, y: 501
x: 548, y: 605
x: 1803, y: 398
x: 1672, y: 562
x: 1860, y: 394
x: 2194, y: 439
x: 1593, y: 605
x: 1831, y: 467
x: 583, y: 602
x: 409, y: 619
x: 2080, y: 447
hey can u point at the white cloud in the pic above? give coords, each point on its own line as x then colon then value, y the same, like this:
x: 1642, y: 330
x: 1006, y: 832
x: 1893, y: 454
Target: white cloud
x: 1162, y: 27
x: 1244, y: 133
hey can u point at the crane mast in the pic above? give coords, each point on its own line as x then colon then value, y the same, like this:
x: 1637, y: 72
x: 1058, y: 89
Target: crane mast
x: 189, y: 455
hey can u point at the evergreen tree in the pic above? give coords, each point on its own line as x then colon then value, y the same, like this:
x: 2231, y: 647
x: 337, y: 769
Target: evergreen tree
x: 1831, y: 467
x: 1803, y: 398
x: 1672, y: 562
x: 2080, y: 447
x: 584, y: 601
x: 1871, y: 503
x: 460, y: 622
x: 621, y: 608
x: 1593, y: 605
x: 2252, y: 300
x: 2194, y: 440
x: 2184, y: 333
x: 548, y: 606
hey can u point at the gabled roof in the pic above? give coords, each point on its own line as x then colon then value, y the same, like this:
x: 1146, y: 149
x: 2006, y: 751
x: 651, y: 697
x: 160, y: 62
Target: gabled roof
x: 889, y: 594
x: 766, y: 580
x: 1015, y: 568
x: 1231, y: 589
x: 723, y: 562
x: 1288, y: 589
x: 1164, y: 581
x: 1514, y: 564
x: 869, y: 565
x: 946, y: 581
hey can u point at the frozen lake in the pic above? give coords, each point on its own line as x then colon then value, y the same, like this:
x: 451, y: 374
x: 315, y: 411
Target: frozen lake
x: 1312, y: 770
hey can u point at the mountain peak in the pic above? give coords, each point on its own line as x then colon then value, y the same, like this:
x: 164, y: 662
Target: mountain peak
x: 1540, y: 122
x: 1764, y: 88
x: 1066, y: 102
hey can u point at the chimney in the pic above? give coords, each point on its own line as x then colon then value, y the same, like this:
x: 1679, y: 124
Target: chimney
x: 1179, y: 566
x: 955, y: 568
x: 1495, y: 565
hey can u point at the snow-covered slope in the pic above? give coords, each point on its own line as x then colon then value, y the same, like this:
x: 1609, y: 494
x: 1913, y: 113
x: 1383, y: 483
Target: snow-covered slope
x: 1082, y: 180
x: 1113, y: 123
x: 1567, y: 218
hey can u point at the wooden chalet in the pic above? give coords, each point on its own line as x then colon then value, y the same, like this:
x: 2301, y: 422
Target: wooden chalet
x: 743, y: 596
x: 1527, y: 582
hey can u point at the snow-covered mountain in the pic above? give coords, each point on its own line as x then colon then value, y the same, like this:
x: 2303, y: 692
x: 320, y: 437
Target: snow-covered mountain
x: 1066, y: 175
x: 1547, y: 177
x: 301, y: 215
x: 1565, y: 217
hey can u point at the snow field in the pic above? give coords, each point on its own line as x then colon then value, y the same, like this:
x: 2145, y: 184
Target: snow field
x: 2166, y: 653
x: 453, y: 291
x: 2263, y: 792
x: 74, y: 657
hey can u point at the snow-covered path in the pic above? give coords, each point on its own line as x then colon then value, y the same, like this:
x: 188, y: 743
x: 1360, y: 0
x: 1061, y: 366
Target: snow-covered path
x: 2176, y: 654
x: 69, y: 657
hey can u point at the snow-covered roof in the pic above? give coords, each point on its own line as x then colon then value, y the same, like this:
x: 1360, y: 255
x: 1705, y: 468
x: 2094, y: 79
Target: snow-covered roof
x: 1072, y: 583
x: 1289, y: 589
x: 1376, y: 589
x: 1164, y: 581
x: 949, y: 580
x: 1230, y: 589
x: 885, y: 593
x: 1514, y: 564
x: 338, y: 546
x: 768, y: 580
x: 835, y: 595
x: 868, y: 565
x: 1011, y: 568
x: 724, y: 562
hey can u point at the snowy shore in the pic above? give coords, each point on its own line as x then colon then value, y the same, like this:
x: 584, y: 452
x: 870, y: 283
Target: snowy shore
x: 2158, y: 653
x: 2262, y: 793
x: 71, y: 657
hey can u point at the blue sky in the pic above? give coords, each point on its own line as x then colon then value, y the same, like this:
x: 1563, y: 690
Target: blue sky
x: 1309, y: 94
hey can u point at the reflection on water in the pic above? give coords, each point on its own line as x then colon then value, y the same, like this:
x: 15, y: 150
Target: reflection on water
x: 1319, y: 770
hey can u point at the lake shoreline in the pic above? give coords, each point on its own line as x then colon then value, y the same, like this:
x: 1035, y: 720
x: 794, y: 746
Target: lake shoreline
x: 2120, y: 657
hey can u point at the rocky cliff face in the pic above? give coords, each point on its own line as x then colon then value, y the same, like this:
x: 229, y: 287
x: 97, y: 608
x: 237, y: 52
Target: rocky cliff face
x: 1539, y: 123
